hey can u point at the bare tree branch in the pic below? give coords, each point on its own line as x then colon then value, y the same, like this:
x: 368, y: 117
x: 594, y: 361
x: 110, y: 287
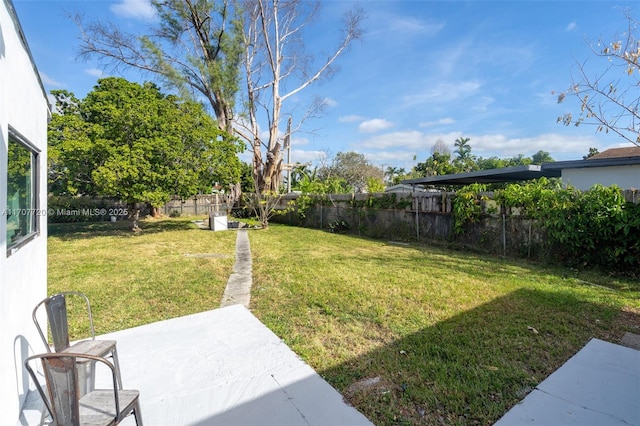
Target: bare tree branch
x: 610, y: 100
x: 195, y: 48
x: 275, y: 60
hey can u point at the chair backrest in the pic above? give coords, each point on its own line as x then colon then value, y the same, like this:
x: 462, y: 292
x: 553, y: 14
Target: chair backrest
x: 56, y: 309
x: 62, y: 398
x: 62, y: 387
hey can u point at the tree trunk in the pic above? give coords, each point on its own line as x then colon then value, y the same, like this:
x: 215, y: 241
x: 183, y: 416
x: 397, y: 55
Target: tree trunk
x: 134, y: 214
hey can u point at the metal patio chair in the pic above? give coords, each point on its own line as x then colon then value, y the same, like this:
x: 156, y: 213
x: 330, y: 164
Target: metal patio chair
x: 56, y: 310
x: 65, y: 404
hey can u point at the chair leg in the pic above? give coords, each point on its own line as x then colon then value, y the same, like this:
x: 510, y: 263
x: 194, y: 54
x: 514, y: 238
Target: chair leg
x: 116, y: 364
x: 86, y: 377
x: 137, y: 413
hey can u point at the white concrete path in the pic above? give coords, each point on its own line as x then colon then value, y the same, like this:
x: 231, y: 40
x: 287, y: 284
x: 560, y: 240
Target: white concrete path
x: 598, y: 386
x: 238, y: 290
x: 221, y: 367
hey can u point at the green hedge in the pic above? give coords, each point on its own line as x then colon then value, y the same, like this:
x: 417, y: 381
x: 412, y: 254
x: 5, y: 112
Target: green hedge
x: 594, y: 228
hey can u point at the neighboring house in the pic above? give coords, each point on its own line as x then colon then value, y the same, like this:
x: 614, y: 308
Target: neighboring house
x: 616, y: 166
x: 24, y: 112
x: 402, y: 188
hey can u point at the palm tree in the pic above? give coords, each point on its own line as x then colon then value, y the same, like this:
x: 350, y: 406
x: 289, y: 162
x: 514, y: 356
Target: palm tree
x: 463, y: 150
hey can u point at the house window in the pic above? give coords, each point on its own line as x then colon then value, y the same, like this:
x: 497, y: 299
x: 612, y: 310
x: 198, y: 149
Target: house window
x: 22, y: 191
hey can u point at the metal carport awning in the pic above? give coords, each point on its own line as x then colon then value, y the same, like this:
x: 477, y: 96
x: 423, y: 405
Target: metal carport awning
x: 507, y: 174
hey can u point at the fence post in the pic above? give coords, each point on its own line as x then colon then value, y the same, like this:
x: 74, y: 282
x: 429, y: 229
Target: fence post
x: 415, y: 200
x: 504, y: 235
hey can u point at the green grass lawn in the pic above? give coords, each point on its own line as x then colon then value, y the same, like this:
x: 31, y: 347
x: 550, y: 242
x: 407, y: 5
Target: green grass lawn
x: 450, y: 337
x: 169, y: 269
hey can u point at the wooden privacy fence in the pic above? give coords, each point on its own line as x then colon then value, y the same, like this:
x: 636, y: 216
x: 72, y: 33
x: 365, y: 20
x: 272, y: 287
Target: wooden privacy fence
x: 198, y: 205
x: 424, y: 216
x: 401, y: 215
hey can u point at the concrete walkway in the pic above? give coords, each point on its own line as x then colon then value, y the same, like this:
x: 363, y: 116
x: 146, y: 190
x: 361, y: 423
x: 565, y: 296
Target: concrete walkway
x: 598, y: 386
x: 238, y: 290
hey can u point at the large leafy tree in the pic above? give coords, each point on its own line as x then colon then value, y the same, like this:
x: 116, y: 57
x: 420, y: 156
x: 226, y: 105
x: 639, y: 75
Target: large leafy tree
x: 541, y: 157
x: 198, y: 46
x: 436, y: 165
x: 440, y: 162
x: 71, y: 156
x: 195, y: 46
x: 353, y: 169
x: 132, y: 142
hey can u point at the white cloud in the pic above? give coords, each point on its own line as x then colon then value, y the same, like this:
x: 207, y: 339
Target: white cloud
x: 482, y: 103
x: 350, y: 118
x: 95, y: 72
x: 407, y: 143
x: 302, y: 156
x: 411, y: 140
x: 374, y: 125
x: 440, y: 121
x: 49, y: 81
x: 402, y: 158
x: 561, y: 147
x: 329, y: 102
x: 443, y: 93
x: 137, y: 9
x: 299, y: 141
x: 571, y: 26
x: 451, y: 57
x: 411, y: 25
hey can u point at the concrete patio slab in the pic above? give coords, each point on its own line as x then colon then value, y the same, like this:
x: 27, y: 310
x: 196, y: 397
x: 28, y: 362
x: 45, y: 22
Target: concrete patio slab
x: 221, y: 367
x: 600, y: 385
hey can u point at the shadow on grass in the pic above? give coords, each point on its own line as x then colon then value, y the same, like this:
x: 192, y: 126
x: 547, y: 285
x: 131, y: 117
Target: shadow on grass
x: 473, y: 367
x: 84, y: 230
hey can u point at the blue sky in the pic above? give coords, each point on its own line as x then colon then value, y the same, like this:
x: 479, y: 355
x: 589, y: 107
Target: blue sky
x: 424, y: 70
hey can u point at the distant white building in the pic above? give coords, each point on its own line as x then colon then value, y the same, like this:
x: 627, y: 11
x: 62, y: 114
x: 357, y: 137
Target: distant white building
x: 616, y: 166
x: 24, y: 112
x: 402, y: 188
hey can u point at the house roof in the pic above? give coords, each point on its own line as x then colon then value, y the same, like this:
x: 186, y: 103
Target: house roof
x: 609, y: 158
x: 403, y: 188
x: 593, y: 162
x: 633, y: 151
x: 506, y: 174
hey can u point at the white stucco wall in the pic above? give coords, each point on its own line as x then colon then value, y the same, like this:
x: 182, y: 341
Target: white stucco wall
x: 23, y: 274
x: 626, y: 177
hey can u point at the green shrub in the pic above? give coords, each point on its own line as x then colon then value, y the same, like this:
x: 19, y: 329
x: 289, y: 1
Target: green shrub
x: 594, y: 228
x: 467, y: 206
x: 339, y: 226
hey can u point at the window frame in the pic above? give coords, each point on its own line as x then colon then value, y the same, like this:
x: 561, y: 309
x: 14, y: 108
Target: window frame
x: 15, y: 136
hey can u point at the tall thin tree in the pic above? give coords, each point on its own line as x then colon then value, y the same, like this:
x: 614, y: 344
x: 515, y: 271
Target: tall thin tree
x: 276, y: 69
x: 195, y: 46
